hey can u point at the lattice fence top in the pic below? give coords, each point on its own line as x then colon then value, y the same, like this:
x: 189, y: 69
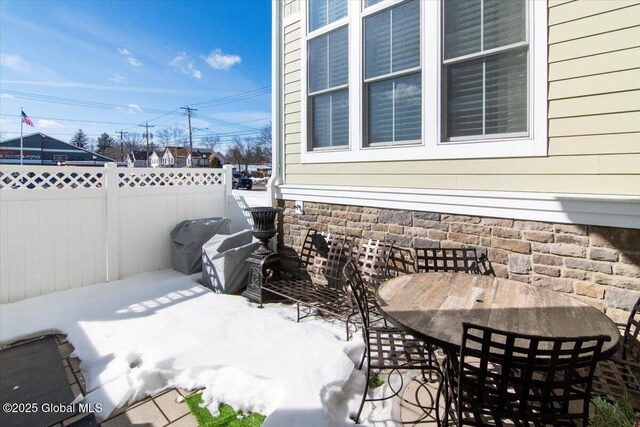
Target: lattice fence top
x: 170, y: 178
x: 64, y: 179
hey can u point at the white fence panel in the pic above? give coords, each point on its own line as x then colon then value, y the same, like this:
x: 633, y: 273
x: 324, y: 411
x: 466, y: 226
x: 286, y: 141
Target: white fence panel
x: 50, y: 226
x: 241, y: 200
x: 67, y: 227
x: 152, y: 201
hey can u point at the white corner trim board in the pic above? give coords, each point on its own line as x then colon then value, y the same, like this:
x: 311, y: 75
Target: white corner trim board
x: 605, y: 210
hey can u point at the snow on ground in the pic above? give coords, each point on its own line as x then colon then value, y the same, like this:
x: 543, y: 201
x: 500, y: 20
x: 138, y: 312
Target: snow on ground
x: 140, y: 335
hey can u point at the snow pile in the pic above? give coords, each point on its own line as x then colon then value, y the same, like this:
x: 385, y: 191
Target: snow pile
x: 138, y: 336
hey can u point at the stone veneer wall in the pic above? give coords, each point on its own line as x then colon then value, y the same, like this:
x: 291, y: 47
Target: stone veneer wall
x: 598, y: 265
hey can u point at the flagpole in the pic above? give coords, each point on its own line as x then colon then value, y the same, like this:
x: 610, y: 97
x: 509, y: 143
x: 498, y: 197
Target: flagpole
x: 21, y: 154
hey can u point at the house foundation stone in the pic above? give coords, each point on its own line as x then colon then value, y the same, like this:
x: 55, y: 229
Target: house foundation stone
x: 598, y: 265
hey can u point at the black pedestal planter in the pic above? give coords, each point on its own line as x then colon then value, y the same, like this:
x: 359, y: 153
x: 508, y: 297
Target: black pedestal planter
x: 263, y: 263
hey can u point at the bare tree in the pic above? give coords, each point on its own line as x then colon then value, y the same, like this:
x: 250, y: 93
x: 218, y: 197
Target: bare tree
x: 250, y: 151
x: 173, y: 136
x: 211, y: 142
x: 264, y: 143
x: 237, y: 152
x: 132, y: 141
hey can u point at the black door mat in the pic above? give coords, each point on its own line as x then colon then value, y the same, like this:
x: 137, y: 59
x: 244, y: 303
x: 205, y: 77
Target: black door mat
x: 32, y: 382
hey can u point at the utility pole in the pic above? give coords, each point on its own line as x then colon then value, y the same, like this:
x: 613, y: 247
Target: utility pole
x: 188, y: 113
x: 122, y: 133
x: 146, y: 126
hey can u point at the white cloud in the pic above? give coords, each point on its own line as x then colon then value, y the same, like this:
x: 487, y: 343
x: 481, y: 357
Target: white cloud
x: 48, y: 124
x: 134, y: 108
x: 183, y: 64
x: 134, y: 62
x: 132, y: 59
x: 117, y: 78
x: 6, y: 95
x: 15, y: 62
x: 221, y: 61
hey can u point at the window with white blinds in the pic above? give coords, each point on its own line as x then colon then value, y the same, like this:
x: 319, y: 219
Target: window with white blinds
x: 422, y: 79
x: 486, y: 54
x: 324, y: 12
x: 392, y: 74
x: 328, y: 74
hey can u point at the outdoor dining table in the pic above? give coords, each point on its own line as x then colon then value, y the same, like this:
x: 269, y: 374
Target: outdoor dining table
x: 433, y: 306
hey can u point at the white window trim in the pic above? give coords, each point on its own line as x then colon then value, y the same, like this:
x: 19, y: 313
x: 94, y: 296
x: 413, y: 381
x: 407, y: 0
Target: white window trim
x: 433, y: 144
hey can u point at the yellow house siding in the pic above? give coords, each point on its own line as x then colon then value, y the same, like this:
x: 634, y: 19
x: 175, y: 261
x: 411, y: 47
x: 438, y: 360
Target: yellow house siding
x: 603, y: 144
x: 626, y: 38
x: 586, y: 27
x: 608, y: 62
x: 596, y: 104
x: 575, y: 10
x: 594, y: 117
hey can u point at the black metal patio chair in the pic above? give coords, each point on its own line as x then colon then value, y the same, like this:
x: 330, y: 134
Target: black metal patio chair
x: 317, y: 287
x: 455, y: 260
x: 315, y: 280
x: 619, y: 377
x: 401, y: 262
x: 504, y: 378
x: 386, y: 348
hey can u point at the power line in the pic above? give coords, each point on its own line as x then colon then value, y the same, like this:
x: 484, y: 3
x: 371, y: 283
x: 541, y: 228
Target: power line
x: 238, y: 96
x: 71, y: 120
x: 81, y: 103
x: 107, y: 106
x: 134, y: 125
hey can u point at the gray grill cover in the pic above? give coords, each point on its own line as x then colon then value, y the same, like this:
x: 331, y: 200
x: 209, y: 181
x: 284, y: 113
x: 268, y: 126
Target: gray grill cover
x: 224, y: 267
x: 187, y: 239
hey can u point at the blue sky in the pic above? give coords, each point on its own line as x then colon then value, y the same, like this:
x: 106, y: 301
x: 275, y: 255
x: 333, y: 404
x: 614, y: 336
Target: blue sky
x: 138, y: 61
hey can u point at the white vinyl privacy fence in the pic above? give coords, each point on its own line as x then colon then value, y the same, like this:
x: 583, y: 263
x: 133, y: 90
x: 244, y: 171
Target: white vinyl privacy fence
x: 65, y: 227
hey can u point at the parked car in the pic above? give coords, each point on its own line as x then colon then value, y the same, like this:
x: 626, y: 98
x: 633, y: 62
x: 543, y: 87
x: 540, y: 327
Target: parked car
x: 241, y: 181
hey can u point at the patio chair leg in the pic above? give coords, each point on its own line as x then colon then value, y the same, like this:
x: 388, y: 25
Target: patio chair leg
x: 364, y: 395
x: 430, y: 364
x: 298, y: 312
x: 347, y: 323
x: 364, y: 354
x: 438, y: 394
x: 447, y: 400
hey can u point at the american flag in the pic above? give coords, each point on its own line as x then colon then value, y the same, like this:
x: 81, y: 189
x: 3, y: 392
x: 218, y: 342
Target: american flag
x: 26, y: 120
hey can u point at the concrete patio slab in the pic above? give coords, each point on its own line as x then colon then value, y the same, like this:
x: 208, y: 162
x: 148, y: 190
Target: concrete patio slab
x: 170, y: 406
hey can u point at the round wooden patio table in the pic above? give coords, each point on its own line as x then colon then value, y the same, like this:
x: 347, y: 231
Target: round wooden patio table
x: 433, y: 306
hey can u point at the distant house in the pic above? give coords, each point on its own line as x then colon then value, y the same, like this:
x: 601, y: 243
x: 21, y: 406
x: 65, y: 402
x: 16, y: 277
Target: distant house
x: 202, y: 158
x: 178, y: 154
x: 167, y: 160
x: 218, y: 156
x: 41, y: 149
x: 143, y: 159
x: 154, y: 160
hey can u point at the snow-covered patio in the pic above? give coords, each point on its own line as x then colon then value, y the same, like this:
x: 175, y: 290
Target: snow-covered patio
x: 138, y: 336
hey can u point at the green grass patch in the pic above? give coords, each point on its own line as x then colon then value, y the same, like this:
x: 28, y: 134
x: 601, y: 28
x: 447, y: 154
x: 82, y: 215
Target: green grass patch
x: 375, y: 382
x: 228, y: 417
